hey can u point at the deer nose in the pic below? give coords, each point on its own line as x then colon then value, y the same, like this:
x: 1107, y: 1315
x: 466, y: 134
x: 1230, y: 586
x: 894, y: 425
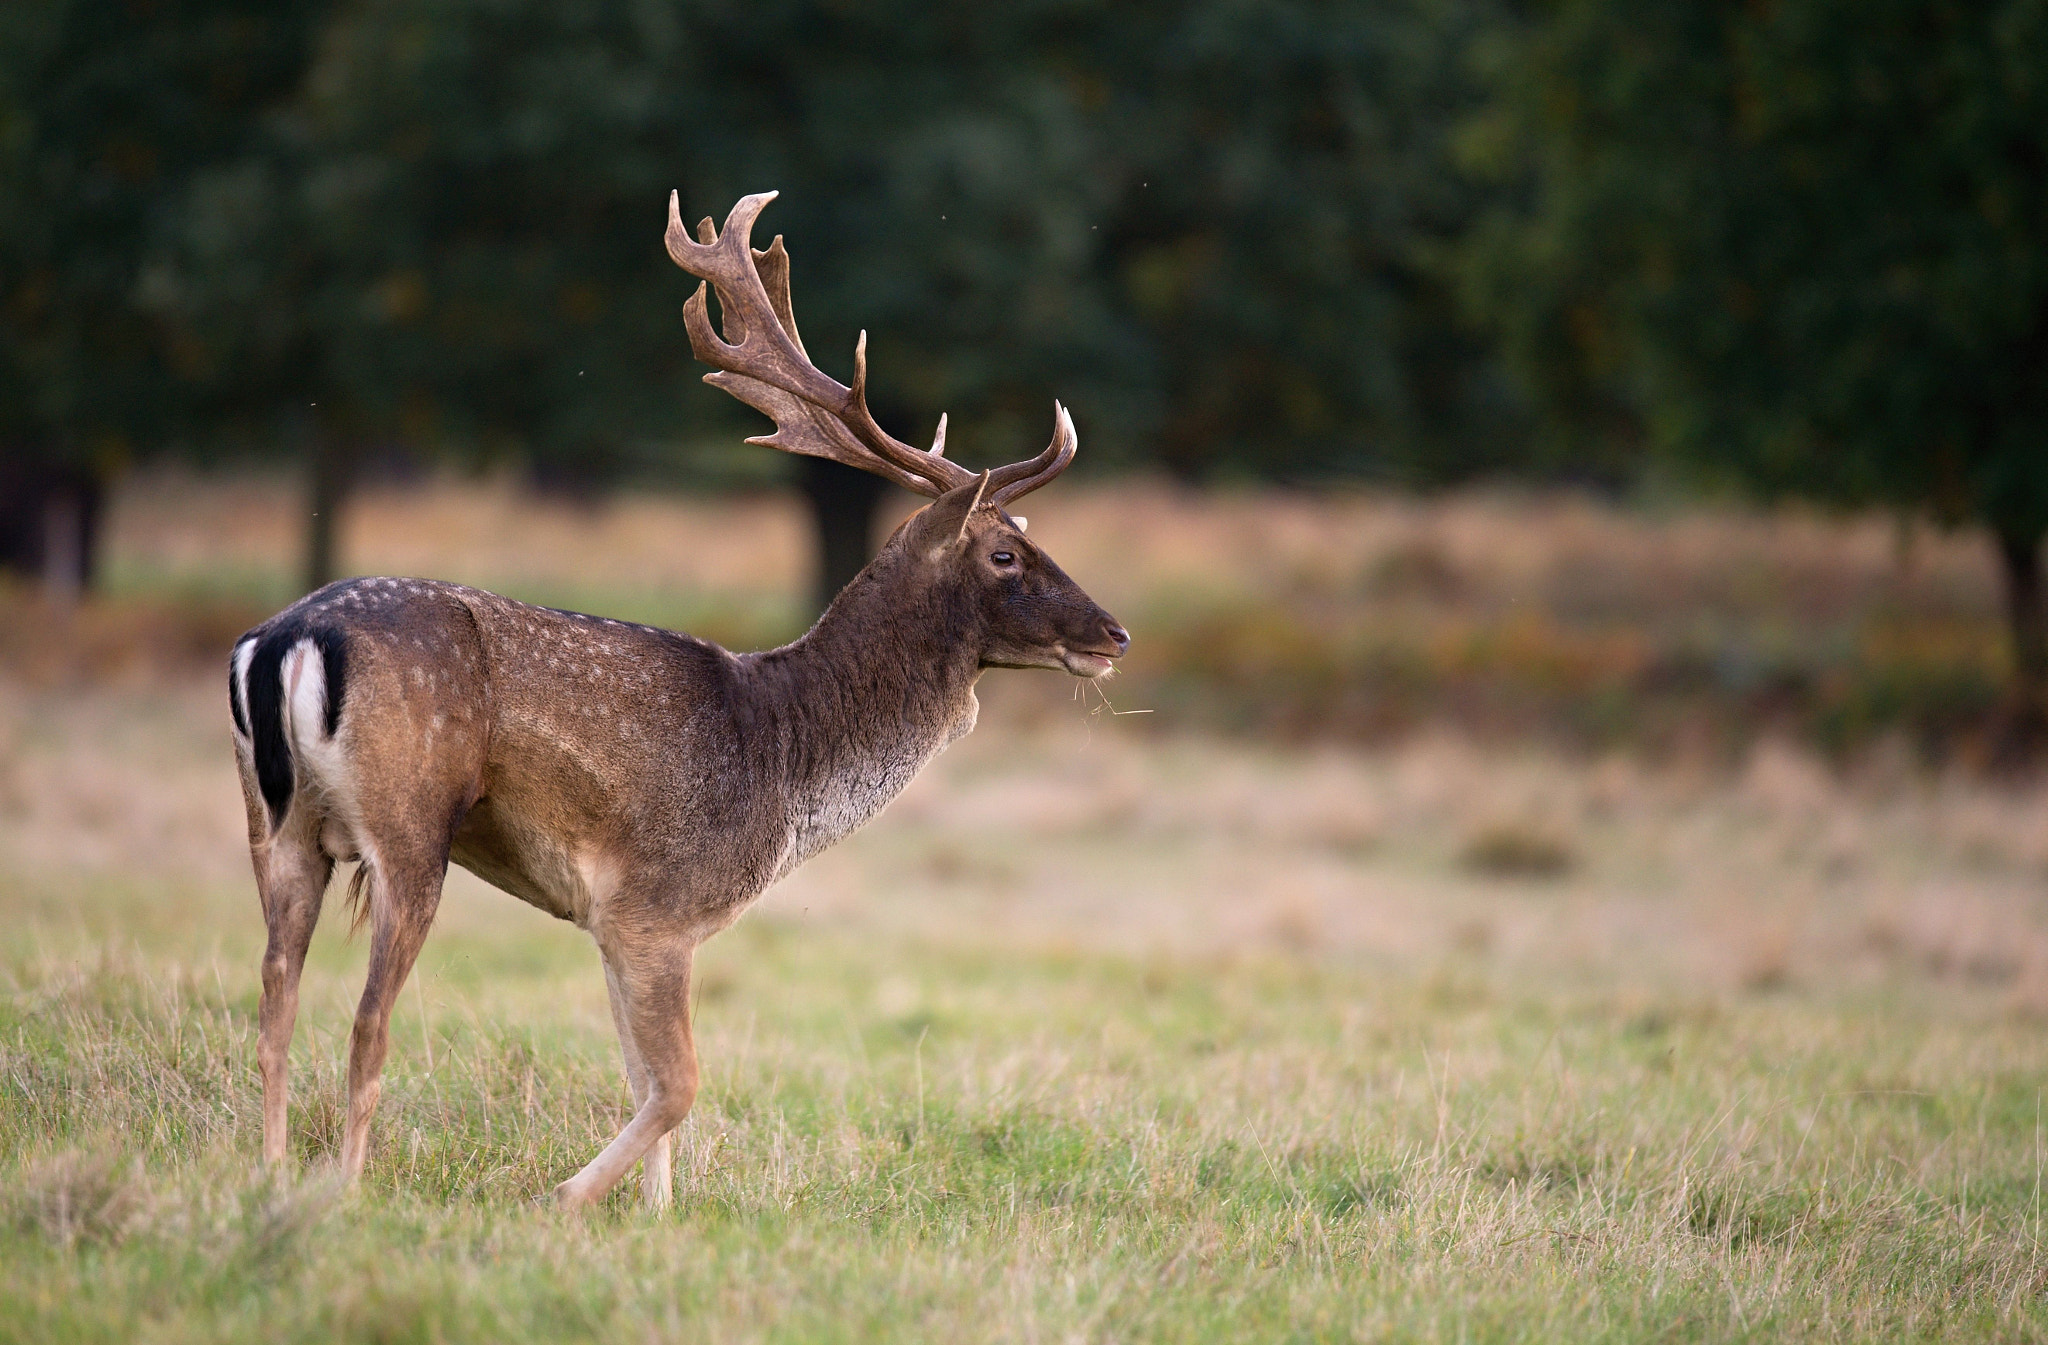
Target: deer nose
x: 1116, y: 635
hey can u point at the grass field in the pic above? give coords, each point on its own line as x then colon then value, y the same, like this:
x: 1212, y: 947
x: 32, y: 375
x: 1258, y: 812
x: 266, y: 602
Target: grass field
x: 1108, y: 1030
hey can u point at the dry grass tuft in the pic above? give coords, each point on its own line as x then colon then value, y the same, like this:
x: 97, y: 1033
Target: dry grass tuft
x: 1516, y: 850
x: 81, y: 1196
x: 279, y: 1217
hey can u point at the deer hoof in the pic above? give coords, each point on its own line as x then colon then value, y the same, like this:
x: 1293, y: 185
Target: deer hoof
x: 565, y: 1197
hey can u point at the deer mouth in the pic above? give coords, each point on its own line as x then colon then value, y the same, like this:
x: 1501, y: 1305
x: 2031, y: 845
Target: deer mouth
x: 1087, y: 663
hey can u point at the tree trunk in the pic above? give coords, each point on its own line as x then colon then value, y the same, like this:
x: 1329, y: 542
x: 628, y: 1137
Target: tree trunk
x: 2026, y: 610
x: 63, y: 547
x: 49, y: 526
x: 328, y: 480
x: 843, y: 501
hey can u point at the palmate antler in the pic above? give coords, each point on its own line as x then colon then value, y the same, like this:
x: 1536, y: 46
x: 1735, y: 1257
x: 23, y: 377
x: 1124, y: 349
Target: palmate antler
x: 761, y: 361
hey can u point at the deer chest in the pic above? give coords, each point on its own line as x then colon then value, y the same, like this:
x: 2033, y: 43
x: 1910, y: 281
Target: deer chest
x: 839, y: 802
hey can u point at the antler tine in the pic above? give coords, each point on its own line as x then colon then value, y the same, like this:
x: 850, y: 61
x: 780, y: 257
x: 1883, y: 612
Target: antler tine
x: 773, y: 268
x: 762, y: 362
x: 1021, y: 478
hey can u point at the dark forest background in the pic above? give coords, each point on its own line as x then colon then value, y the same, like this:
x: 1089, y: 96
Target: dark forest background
x: 1795, y: 248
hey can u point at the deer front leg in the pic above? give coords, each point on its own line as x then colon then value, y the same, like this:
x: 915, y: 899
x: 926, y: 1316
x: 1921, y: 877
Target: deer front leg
x: 656, y: 1181
x: 653, y: 989
x: 291, y: 880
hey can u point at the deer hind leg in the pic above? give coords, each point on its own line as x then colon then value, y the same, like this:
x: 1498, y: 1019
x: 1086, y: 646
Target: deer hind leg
x: 653, y: 1005
x: 403, y: 897
x: 656, y: 1175
x: 291, y: 879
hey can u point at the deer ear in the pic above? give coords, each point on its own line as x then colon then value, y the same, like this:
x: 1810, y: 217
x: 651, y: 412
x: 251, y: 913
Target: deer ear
x: 944, y: 521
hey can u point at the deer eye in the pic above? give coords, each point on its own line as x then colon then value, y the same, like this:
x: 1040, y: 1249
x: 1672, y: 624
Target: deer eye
x: 1004, y: 557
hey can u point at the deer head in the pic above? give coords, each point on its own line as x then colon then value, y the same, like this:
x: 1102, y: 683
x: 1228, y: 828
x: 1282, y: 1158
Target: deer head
x: 964, y: 557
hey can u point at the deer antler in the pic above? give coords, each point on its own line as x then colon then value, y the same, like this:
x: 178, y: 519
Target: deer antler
x: 761, y: 360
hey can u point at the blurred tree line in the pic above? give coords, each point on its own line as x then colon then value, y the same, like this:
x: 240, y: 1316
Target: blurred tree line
x: 1794, y: 247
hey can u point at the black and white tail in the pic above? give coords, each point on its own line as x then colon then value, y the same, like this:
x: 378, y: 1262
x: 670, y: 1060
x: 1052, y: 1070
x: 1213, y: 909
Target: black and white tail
x: 286, y: 684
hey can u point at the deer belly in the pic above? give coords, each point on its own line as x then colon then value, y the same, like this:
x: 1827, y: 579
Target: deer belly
x: 524, y: 861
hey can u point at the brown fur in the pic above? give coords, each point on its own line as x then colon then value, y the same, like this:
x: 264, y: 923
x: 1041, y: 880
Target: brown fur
x: 643, y: 784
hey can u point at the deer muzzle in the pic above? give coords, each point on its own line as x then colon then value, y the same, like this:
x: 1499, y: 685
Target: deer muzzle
x: 1108, y: 643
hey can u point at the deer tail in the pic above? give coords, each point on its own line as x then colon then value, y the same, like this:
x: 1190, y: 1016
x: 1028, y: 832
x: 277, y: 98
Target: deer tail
x: 277, y: 684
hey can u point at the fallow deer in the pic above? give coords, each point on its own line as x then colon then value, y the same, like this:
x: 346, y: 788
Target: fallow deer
x: 643, y: 784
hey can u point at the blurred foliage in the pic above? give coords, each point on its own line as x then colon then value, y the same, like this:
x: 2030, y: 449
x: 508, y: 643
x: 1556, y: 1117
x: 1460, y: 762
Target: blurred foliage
x: 431, y: 244
x: 1305, y: 671
x: 106, y: 114
x: 1800, y: 247
x: 434, y: 223
x: 1278, y: 253
x: 1793, y: 248
x: 1800, y: 243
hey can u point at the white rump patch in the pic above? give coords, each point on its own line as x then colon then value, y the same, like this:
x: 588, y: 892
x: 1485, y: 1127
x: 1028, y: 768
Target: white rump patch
x: 318, y: 761
x: 305, y: 692
x: 244, y: 651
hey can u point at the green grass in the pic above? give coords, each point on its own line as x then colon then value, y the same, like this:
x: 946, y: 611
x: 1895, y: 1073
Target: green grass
x: 943, y: 1140
x: 1098, y: 1035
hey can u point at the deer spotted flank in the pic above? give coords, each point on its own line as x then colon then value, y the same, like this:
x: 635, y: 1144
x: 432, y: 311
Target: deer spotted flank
x: 644, y: 784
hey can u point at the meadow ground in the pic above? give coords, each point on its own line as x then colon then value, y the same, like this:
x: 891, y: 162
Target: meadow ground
x: 1111, y: 1029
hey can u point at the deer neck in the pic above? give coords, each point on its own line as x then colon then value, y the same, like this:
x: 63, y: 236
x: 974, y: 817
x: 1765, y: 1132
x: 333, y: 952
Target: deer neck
x: 859, y: 705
